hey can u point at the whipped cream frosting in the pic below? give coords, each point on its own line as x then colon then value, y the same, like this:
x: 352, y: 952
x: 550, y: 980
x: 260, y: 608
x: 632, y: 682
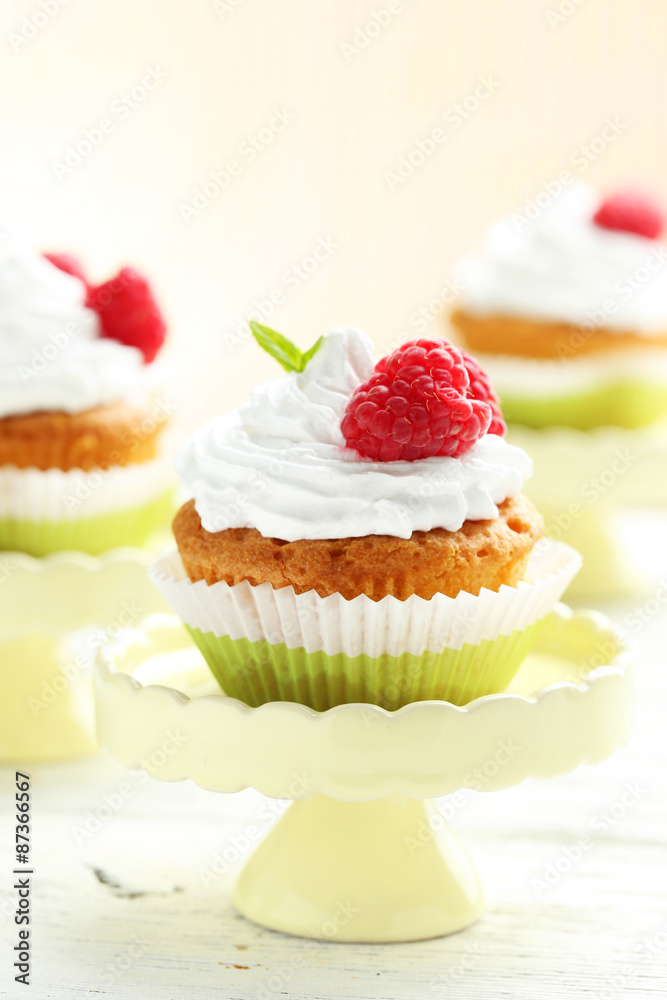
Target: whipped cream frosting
x: 279, y: 463
x: 562, y: 267
x: 51, y: 354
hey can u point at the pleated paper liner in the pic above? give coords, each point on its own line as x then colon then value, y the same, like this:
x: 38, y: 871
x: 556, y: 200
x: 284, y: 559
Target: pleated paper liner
x: 51, y: 510
x: 55, y: 495
x: 266, y: 645
x: 93, y: 535
x: 625, y: 403
x: 257, y: 672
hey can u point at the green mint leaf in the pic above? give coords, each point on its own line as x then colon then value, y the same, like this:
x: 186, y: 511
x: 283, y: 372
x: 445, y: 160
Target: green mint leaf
x: 309, y: 354
x: 283, y: 350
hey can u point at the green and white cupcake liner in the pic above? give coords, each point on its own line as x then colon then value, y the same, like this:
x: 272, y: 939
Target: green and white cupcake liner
x: 274, y: 645
x: 623, y: 403
x: 48, y: 511
x: 624, y: 388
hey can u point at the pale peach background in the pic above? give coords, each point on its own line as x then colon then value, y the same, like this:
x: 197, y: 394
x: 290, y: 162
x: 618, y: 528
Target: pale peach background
x: 324, y: 175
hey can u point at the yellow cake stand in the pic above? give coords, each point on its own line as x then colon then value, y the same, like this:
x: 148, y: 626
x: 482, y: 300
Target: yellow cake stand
x: 581, y: 481
x: 55, y: 613
x: 363, y: 854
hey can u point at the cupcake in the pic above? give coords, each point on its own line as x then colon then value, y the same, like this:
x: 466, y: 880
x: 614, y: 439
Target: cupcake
x: 357, y: 532
x: 81, y: 418
x: 567, y: 312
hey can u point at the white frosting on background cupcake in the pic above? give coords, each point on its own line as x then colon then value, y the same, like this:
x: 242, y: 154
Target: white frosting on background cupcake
x: 562, y: 267
x: 279, y: 463
x: 51, y: 354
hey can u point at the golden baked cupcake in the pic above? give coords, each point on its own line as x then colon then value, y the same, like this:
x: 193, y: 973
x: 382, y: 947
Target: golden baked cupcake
x: 357, y: 532
x: 80, y: 416
x: 567, y: 311
x: 486, y: 553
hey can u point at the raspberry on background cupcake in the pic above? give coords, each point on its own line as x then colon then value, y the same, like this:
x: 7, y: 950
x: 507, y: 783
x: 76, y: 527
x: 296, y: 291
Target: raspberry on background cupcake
x: 357, y: 532
x: 80, y: 419
x: 568, y: 312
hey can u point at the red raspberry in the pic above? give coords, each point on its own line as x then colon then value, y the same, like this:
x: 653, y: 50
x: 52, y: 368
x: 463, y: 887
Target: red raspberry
x: 632, y: 212
x: 69, y: 263
x: 415, y: 406
x: 480, y: 388
x: 128, y: 312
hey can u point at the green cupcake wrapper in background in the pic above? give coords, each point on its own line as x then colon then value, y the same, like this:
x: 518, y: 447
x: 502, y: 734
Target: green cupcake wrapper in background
x: 628, y: 404
x: 132, y: 526
x: 259, y: 672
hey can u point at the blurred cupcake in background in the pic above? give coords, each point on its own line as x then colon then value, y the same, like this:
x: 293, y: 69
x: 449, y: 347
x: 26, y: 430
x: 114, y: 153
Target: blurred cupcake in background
x: 81, y: 413
x: 567, y: 312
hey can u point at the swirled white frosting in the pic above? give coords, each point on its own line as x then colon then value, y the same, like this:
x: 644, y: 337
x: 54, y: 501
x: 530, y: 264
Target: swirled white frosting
x: 51, y: 354
x: 562, y: 267
x: 279, y: 463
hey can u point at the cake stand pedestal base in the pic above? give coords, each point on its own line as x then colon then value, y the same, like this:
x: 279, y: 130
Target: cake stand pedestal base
x: 386, y: 870
x: 363, y: 858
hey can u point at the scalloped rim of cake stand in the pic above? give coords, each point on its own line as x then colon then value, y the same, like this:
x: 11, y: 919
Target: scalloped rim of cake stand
x: 44, y: 714
x: 360, y: 752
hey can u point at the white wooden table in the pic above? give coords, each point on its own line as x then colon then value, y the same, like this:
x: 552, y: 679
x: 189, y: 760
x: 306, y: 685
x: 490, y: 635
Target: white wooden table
x: 131, y: 909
